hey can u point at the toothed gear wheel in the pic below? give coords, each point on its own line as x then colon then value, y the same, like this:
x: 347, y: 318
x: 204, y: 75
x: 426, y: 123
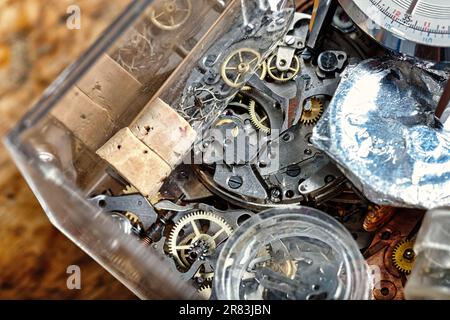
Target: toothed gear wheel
x: 403, y: 256
x: 257, y: 121
x: 205, y: 291
x: 204, y: 276
x: 283, y: 76
x: 288, y: 267
x: 312, y: 111
x: 171, y: 14
x: 134, y: 219
x: 239, y: 64
x: 207, y: 236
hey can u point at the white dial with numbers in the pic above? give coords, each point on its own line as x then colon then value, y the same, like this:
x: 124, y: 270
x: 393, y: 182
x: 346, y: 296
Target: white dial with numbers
x: 419, y: 28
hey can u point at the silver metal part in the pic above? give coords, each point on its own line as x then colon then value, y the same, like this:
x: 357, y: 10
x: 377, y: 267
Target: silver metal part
x: 292, y: 42
x: 288, y: 272
x: 324, y: 14
x: 239, y: 179
x: 381, y: 129
x: 415, y: 28
x: 135, y: 203
x: 331, y: 61
x: 342, y: 21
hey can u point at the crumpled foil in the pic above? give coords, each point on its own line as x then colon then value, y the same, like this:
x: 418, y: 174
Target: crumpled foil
x: 381, y: 130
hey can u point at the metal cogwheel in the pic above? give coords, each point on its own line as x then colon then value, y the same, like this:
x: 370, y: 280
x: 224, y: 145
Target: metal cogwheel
x: 312, y: 111
x: 171, y: 14
x: 258, y: 123
x: 200, y: 242
x: 205, y: 291
x: 287, y: 268
x: 283, y: 76
x: 238, y: 64
x: 403, y: 256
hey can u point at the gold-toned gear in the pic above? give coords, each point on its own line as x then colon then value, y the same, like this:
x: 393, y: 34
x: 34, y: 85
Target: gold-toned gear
x: 238, y: 64
x: 257, y: 121
x: 205, y: 291
x: 206, y: 276
x: 287, y: 268
x: 403, y: 256
x: 134, y: 219
x: 283, y: 76
x: 184, y: 254
x: 217, y: 231
x: 172, y: 14
x: 312, y: 111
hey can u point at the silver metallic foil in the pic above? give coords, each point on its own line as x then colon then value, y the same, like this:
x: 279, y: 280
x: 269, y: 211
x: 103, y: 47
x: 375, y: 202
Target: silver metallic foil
x: 381, y: 130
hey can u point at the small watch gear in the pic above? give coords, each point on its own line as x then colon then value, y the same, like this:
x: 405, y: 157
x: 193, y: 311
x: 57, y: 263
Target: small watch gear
x: 171, y: 14
x: 205, y: 291
x: 403, y: 256
x: 197, y: 235
x: 238, y: 64
x: 283, y: 76
x: 260, y: 122
x: 312, y: 111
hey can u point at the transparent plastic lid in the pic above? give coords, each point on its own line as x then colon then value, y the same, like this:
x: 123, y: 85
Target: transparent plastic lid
x: 291, y: 254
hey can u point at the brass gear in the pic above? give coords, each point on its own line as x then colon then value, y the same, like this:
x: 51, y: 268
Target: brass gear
x: 238, y: 64
x: 206, y: 276
x: 283, y: 76
x: 134, y: 219
x: 205, y: 291
x: 287, y: 268
x: 258, y: 123
x: 312, y: 111
x: 171, y: 14
x: 177, y: 241
x: 403, y: 256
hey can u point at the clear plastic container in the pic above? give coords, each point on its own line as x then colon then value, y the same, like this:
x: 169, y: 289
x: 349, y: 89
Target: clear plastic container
x: 291, y: 254
x: 430, y: 277
x: 167, y: 53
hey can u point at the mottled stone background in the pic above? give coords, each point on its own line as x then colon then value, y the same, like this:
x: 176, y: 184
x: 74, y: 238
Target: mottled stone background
x: 35, y: 46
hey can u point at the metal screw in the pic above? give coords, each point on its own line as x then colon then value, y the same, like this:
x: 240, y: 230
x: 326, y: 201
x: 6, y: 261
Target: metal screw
x: 286, y: 137
x: 409, y: 254
x: 293, y: 171
x: 275, y: 195
x: 386, y: 235
x: 249, y: 28
x: 290, y: 40
x: 307, y: 54
x: 235, y: 182
x: 328, y: 61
